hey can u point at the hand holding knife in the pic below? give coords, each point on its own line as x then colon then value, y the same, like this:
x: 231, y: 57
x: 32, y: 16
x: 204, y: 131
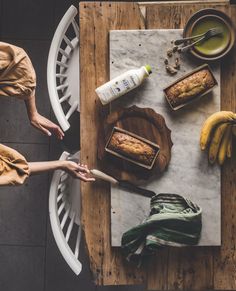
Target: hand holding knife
x: 123, y: 184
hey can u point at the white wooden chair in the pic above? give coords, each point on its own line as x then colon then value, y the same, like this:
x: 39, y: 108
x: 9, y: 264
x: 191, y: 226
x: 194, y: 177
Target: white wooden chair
x: 63, y: 68
x: 64, y: 212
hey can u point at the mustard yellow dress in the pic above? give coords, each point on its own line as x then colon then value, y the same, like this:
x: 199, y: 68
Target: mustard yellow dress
x: 17, y: 75
x: 17, y: 79
x: 14, y: 168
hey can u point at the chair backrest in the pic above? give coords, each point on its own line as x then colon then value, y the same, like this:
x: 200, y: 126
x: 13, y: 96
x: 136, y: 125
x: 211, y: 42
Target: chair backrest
x: 63, y: 68
x: 64, y: 213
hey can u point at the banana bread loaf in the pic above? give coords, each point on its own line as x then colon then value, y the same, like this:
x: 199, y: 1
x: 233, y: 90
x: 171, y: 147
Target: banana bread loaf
x: 132, y: 147
x: 190, y: 87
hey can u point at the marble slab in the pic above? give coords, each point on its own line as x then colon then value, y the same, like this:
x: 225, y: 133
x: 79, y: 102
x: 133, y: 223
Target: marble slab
x: 188, y: 173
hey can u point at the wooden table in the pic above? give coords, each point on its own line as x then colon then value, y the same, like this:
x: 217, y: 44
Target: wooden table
x: 171, y: 269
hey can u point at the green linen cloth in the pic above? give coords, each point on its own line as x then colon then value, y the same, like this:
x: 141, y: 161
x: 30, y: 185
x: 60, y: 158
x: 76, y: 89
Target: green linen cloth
x: 173, y: 221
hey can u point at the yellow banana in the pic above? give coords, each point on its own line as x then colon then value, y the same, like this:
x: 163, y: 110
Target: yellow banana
x: 211, y: 122
x: 224, y: 145
x: 216, y: 140
x: 229, y: 147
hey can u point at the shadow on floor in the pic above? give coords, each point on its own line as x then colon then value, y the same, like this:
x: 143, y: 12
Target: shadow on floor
x: 71, y: 141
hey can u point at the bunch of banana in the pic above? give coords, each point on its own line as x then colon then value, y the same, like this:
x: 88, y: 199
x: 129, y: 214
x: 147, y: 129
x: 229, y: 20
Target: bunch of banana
x: 216, y: 135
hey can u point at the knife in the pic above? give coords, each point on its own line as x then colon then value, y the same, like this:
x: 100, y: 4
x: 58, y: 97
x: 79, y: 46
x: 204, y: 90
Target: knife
x: 122, y: 183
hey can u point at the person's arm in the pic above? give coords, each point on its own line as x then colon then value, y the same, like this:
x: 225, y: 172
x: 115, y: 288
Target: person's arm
x: 75, y: 170
x: 39, y: 121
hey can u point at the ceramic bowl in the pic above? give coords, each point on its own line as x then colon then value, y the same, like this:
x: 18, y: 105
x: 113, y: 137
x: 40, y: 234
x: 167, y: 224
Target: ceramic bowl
x: 216, y: 45
x: 202, y: 21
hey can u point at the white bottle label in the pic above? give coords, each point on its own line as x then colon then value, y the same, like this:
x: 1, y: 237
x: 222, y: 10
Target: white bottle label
x: 121, y: 84
x: 110, y: 91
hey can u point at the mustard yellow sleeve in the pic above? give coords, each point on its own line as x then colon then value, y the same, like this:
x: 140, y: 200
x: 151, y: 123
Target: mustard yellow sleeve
x: 14, y: 168
x: 17, y: 74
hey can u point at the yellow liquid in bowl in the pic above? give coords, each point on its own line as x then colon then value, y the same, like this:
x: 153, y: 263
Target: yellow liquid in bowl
x: 216, y: 44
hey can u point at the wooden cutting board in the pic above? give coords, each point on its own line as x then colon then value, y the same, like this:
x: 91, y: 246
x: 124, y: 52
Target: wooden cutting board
x: 146, y: 123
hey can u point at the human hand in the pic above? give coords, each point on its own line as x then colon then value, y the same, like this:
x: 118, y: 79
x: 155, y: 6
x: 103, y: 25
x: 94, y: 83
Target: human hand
x: 78, y: 171
x: 45, y: 125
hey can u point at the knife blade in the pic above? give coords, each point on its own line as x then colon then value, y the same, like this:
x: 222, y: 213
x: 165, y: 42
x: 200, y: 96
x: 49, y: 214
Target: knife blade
x: 122, y: 183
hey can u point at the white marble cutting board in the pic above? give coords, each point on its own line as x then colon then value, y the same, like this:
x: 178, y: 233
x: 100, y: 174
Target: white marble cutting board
x: 188, y: 173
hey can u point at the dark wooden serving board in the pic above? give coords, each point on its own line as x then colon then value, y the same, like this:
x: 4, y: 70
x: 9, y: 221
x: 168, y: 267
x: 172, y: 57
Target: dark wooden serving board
x: 146, y: 123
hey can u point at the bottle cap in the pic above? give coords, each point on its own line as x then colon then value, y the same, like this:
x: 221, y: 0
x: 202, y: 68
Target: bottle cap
x: 148, y: 68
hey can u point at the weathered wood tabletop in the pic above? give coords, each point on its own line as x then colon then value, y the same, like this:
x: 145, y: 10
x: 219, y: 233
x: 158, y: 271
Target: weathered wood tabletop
x: 171, y: 269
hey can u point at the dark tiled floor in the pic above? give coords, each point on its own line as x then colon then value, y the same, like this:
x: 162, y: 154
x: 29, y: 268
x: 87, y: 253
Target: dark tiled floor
x: 23, y: 209
x: 27, y: 19
x: 22, y: 268
x: 29, y: 257
x: 58, y: 274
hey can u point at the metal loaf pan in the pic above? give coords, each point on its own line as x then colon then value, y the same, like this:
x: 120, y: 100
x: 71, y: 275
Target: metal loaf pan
x: 194, y: 99
x: 152, y: 144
